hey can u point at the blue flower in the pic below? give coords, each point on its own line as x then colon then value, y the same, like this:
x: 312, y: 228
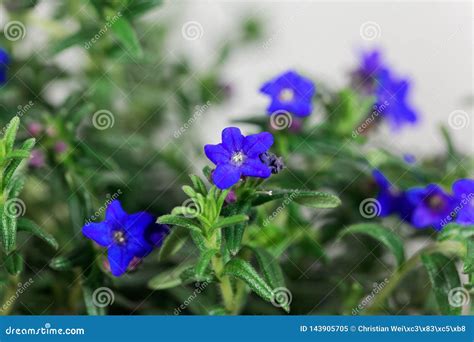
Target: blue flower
x: 4, y: 61
x: 432, y: 206
x: 463, y: 191
x: 365, y: 76
x: 125, y: 235
x: 391, y: 199
x: 238, y: 156
x: 290, y: 92
x: 392, y: 101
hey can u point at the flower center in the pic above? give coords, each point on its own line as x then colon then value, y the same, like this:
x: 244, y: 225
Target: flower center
x: 119, y: 237
x: 238, y: 158
x: 286, y: 95
x: 436, y: 202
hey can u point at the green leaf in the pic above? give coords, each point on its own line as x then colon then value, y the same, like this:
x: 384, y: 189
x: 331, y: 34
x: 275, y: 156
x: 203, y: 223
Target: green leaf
x: 21, y: 154
x: 179, y: 221
x: 454, y: 231
x: 381, y: 234
x: 80, y: 37
x: 233, y: 234
x: 170, y: 278
x: 231, y: 221
x: 8, y: 230
x: 189, y: 191
x: 13, y: 165
x: 125, y: 33
x: 139, y: 7
x: 29, y: 226
x: 10, y: 133
x: 173, y: 243
x: 198, y: 184
x: 270, y: 268
x: 14, y: 263
x: 469, y: 260
x: 207, y: 171
x: 203, y: 262
x: 444, y: 278
x: 314, y: 199
x: 242, y: 270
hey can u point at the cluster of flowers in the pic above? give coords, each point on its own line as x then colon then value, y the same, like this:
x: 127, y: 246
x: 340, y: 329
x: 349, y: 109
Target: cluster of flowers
x: 428, y: 206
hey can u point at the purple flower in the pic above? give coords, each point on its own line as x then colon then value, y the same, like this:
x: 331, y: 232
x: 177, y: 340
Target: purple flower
x: 126, y: 236
x: 37, y: 159
x: 392, y: 200
x: 392, y: 101
x: 290, y: 92
x: 274, y: 162
x: 432, y: 206
x: 364, y: 78
x: 4, y: 61
x: 238, y: 156
x: 60, y: 147
x: 34, y: 128
x: 463, y: 191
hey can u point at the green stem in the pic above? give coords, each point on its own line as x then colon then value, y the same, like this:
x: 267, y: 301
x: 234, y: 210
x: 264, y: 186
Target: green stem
x: 446, y: 247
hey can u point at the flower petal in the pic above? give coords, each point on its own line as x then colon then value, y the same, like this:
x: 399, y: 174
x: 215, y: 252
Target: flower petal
x: 98, y: 232
x: 119, y: 259
x: 136, y: 227
x: 256, y: 144
x: 255, y: 168
x: 217, y: 153
x: 226, y: 175
x: 114, y: 212
x: 232, y: 139
x: 463, y: 187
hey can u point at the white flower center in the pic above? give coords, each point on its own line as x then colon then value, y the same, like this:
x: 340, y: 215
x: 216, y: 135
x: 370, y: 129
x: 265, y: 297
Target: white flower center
x: 238, y: 158
x: 119, y: 237
x: 286, y: 95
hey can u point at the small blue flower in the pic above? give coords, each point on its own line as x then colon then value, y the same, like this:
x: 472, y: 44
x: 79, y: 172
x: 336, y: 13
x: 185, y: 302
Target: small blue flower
x: 4, y: 61
x: 290, y: 92
x: 392, y: 101
x: 463, y: 191
x: 392, y: 200
x: 238, y: 156
x: 125, y: 235
x: 432, y: 206
x: 364, y: 78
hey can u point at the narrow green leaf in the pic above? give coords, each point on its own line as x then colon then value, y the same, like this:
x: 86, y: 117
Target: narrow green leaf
x: 189, y: 191
x: 242, y: 270
x: 20, y: 154
x: 203, y: 262
x: 207, y: 171
x: 454, y: 231
x: 179, y: 221
x: 173, y: 242
x: 13, y: 165
x: 314, y: 199
x: 29, y: 226
x: 231, y: 221
x: 381, y: 234
x: 125, y: 33
x: 444, y: 279
x: 170, y: 278
x: 8, y: 230
x: 10, y: 133
x: 270, y: 268
x: 198, y: 184
x: 140, y: 7
x: 469, y: 260
x: 14, y: 263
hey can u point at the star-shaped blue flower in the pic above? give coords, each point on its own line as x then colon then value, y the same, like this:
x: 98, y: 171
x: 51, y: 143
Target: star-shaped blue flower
x: 125, y: 235
x: 463, y: 191
x: 238, y: 156
x: 4, y: 61
x: 432, y: 206
x: 290, y: 92
x: 364, y: 77
x: 392, y: 101
x: 392, y: 200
